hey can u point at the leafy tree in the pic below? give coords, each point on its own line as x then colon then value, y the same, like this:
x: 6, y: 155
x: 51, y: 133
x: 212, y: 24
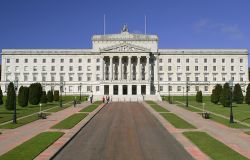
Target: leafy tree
x: 199, y: 97
x: 247, y: 99
x: 56, y: 95
x: 11, y: 97
x: 226, y: 95
x: 237, y: 94
x: 35, y: 93
x: 21, y: 97
x: 50, y: 96
x: 1, y: 96
x: 216, y: 93
x: 44, y: 98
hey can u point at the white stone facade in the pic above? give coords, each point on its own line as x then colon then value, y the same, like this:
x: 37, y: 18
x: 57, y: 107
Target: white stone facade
x: 138, y: 67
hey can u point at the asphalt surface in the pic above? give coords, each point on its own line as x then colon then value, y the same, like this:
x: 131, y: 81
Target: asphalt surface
x: 123, y: 131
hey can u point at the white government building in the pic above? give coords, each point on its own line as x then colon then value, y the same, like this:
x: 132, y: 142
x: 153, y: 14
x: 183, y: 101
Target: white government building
x: 125, y: 66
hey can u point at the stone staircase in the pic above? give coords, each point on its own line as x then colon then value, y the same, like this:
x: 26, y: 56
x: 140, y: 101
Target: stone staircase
x: 129, y: 98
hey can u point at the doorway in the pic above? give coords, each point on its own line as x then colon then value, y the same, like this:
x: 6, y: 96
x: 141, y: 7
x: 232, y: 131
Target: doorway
x: 134, y: 89
x: 143, y: 89
x: 106, y: 89
x: 124, y: 89
x: 115, y: 90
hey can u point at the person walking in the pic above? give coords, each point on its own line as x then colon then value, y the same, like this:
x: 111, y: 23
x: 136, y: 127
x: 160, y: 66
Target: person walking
x: 103, y: 99
x: 74, y: 102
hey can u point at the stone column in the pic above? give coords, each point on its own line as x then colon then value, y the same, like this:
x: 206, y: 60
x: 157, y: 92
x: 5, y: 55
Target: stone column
x: 138, y: 89
x: 129, y: 68
x: 156, y: 74
x: 110, y: 89
x: 103, y: 68
x: 120, y: 68
x: 147, y: 68
x: 129, y: 89
x: 111, y: 68
x: 138, y: 67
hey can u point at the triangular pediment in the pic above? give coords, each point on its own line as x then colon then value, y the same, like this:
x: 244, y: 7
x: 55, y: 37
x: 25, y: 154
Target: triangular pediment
x: 125, y: 47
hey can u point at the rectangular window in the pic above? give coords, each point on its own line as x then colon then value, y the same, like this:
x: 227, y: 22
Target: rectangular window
x: 89, y: 88
x: 160, y: 60
x: 70, y: 60
x: 97, y: 60
x: 197, y: 88
x: 196, y: 60
x: 214, y: 68
x: 79, y: 78
x: 178, y: 68
x: 89, y: 75
x: 232, y: 68
x: 44, y: 60
x: 223, y: 60
x: 98, y: 77
x: 79, y: 60
x: 88, y: 68
x: 223, y: 68
x: 196, y: 79
x: 205, y: 68
x: 169, y: 60
x: 241, y: 60
x: 205, y: 88
x: 43, y: 68
x: 25, y: 78
x: 170, y: 88
x: 161, y: 88
x: 232, y: 60
x: 25, y: 68
x: 34, y: 78
x: 17, y: 60
x: 70, y: 77
x: 98, y: 68
x: 62, y: 60
x: 188, y: 79
x: 52, y: 78
x: 53, y: 60
x: 169, y: 68
x: 205, y: 60
x: 70, y: 68
x: 25, y: 60
x: 89, y: 60
x: 205, y: 78
x: 8, y: 60
x: 178, y: 60
x: 43, y: 78
x: 178, y: 78
x: 187, y: 68
x: 187, y: 60
x: 214, y: 60
x: 97, y: 88
x: 16, y: 68
x: 34, y: 68
x: 178, y: 88
x: 61, y: 68
x: 160, y: 68
x: 241, y: 68
x: 52, y: 68
x: 35, y: 60
x: 79, y: 68
x: 196, y: 68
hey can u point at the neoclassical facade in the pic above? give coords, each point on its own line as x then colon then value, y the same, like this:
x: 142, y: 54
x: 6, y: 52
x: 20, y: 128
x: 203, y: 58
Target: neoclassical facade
x: 126, y: 66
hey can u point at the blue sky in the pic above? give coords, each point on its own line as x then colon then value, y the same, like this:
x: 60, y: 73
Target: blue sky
x: 71, y: 23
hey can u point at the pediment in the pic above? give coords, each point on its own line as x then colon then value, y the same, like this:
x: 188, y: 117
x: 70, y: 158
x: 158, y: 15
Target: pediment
x: 125, y: 47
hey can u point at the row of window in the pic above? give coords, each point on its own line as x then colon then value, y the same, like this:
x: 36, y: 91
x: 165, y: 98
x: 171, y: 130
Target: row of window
x: 223, y: 60
x: 52, y: 68
x: 53, y: 60
x: 182, y: 88
x: 205, y: 68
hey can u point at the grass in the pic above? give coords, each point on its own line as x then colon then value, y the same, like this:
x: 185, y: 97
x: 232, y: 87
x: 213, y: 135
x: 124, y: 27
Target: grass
x: 157, y: 107
x: 248, y: 133
x: 177, y: 121
x: 212, y: 147
x: 91, y: 107
x: 71, y: 121
x: 33, y: 147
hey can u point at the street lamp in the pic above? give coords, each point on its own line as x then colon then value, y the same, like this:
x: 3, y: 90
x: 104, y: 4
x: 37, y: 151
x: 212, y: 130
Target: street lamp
x: 61, y: 90
x: 15, y: 87
x: 80, y: 91
x: 231, y: 102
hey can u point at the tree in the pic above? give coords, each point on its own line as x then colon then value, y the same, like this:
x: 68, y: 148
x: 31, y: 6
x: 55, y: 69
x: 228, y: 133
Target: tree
x: 56, y: 95
x: 11, y: 97
x: 216, y: 93
x: 226, y: 95
x: 23, y: 96
x: 35, y: 93
x: 1, y: 96
x: 44, y: 98
x: 237, y: 94
x: 199, y: 96
x: 50, y: 96
x: 247, y: 99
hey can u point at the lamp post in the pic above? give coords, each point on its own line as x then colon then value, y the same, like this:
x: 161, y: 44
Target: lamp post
x: 169, y: 101
x: 15, y: 88
x: 231, y: 102
x: 183, y: 93
x: 186, y: 92
x: 61, y: 90
x: 80, y: 91
x: 40, y: 107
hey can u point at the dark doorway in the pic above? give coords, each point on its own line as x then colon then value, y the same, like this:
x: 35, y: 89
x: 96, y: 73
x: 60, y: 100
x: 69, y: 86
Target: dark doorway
x: 134, y: 89
x: 106, y: 89
x: 124, y: 89
x: 115, y: 90
x: 143, y: 89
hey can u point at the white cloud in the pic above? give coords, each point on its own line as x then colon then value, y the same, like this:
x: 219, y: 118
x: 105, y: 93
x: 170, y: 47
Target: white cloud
x: 231, y: 31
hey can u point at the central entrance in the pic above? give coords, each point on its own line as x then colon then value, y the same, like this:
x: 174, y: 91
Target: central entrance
x: 124, y: 89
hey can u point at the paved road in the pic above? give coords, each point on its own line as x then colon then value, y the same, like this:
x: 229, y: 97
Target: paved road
x: 123, y: 131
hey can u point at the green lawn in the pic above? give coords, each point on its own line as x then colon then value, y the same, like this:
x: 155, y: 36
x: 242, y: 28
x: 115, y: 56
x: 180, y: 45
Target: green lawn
x: 91, y: 107
x: 157, y: 107
x: 213, y: 148
x: 33, y: 147
x: 71, y: 121
x: 248, y: 133
x: 177, y: 121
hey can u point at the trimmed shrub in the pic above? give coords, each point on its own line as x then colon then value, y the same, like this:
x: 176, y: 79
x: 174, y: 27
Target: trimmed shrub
x: 56, y: 95
x: 225, y: 95
x: 11, y: 97
x: 35, y: 93
x: 237, y: 94
x: 1, y: 96
x: 199, y: 97
x: 21, y: 97
x: 44, y: 98
x: 247, y: 99
x: 50, y: 96
x: 216, y: 93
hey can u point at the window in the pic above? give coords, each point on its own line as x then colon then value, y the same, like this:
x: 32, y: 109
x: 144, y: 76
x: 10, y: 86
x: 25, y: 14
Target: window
x: 214, y: 78
x: 160, y: 68
x: 241, y: 60
x: 232, y: 68
x: 160, y: 60
x: 178, y: 78
x: 196, y: 78
x: 205, y: 88
x: 43, y: 78
x: 79, y: 68
x: 79, y: 78
x: 188, y: 79
x: 16, y: 68
x: 97, y: 88
x: 88, y: 68
x: 205, y: 78
x: 170, y: 88
x: 161, y: 88
x: 62, y: 60
x: 89, y: 60
x: 52, y: 68
x: 97, y: 60
x: 25, y: 68
x: 178, y: 88
x: 161, y: 77
x: 205, y: 60
x: 52, y: 78
x: 61, y: 78
x: 61, y: 68
x: 197, y: 88
x: 169, y: 68
x: 17, y: 60
x: 79, y: 60
x: 25, y: 77
x: 70, y: 77
x: 178, y: 68
x: 205, y: 68
x: 98, y: 68
x: 8, y: 68
x: 70, y: 60
x: 34, y: 77
x: 43, y: 68
x: 241, y: 78
x: 35, y: 60
x: 241, y: 68
x: 35, y: 68
x: 7, y: 60
x: 98, y: 77
x: 169, y: 60
x: 178, y: 60
x: 25, y: 60
x: 223, y: 60
x: 169, y: 78
x: 89, y: 77
x: 187, y: 60
x: 232, y: 60
x: 196, y: 68
x: 214, y: 60
x: 223, y: 78
x: 53, y: 60
x: 223, y: 68
x: 214, y: 68
x: 196, y: 60
x: 89, y: 88
x: 70, y: 68
x: 187, y: 68
x: 44, y: 60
